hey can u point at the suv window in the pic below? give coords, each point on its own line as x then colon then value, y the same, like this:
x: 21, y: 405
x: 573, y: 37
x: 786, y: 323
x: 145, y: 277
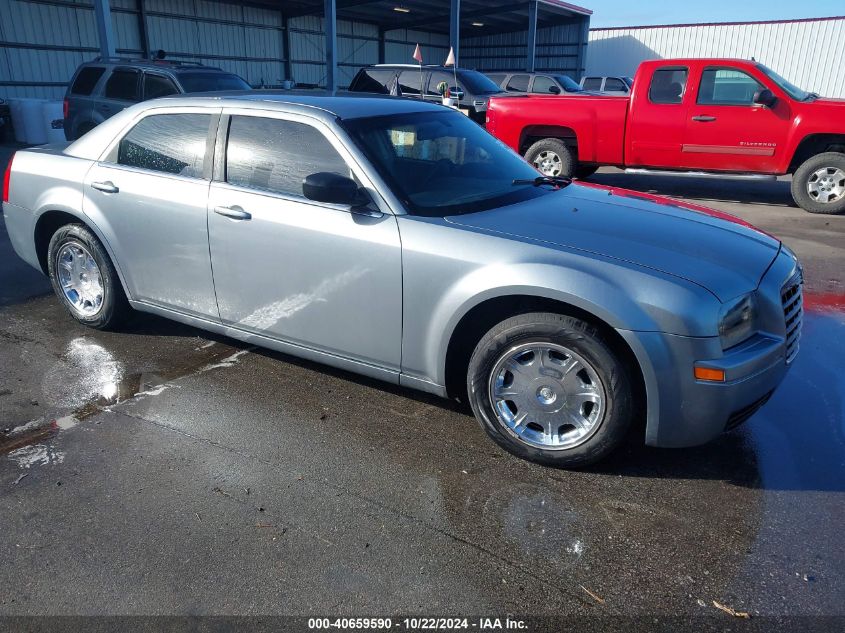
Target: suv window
x: 668, y: 85
x: 612, y: 83
x: 123, y: 85
x: 168, y: 143
x: 592, y: 83
x: 86, y: 80
x: 518, y: 83
x: 157, y: 86
x: 436, y: 77
x: 276, y: 155
x: 723, y: 86
x: 497, y: 78
x: 371, y: 80
x: 409, y: 82
x: 205, y: 81
x: 544, y: 85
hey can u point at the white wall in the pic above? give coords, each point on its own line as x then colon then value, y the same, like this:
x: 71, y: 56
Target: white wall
x: 809, y: 53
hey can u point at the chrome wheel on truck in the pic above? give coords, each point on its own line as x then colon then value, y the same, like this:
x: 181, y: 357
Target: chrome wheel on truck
x: 818, y: 185
x: 551, y: 157
x: 827, y: 185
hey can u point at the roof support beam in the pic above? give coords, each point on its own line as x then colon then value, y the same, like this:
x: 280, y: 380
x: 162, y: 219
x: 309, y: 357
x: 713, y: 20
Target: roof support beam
x: 455, y: 29
x: 341, y: 4
x: 434, y: 19
x: 142, y: 27
x: 330, y: 15
x: 105, y: 32
x: 531, y: 48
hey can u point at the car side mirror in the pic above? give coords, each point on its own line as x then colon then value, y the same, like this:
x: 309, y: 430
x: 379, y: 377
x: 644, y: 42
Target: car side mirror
x: 456, y: 93
x: 333, y: 189
x: 555, y: 90
x: 765, y: 97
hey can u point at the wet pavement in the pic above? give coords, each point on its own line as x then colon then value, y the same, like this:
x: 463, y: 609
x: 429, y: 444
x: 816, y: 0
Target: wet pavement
x: 162, y: 470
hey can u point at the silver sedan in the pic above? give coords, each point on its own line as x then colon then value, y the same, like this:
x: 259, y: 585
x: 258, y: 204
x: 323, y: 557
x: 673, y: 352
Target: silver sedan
x: 397, y: 239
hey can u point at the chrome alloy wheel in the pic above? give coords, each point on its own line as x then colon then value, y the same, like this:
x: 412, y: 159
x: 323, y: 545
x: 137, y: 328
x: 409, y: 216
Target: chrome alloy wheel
x: 548, y: 163
x: 80, y: 279
x: 546, y: 395
x: 827, y: 185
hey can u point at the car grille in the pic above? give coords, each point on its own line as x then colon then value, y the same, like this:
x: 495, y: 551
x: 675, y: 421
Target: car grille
x: 792, y: 299
x: 741, y: 415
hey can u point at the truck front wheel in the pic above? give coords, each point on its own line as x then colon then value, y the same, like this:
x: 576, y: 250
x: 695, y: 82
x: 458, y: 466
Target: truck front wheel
x: 818, y: 185
x: 551, y: 157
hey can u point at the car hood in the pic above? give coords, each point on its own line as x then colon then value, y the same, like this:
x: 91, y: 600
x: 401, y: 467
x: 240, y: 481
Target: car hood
x: 718, y: 251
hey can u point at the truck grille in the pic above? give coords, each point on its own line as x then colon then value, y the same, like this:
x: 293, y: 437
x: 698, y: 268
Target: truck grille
x: 793, y: 312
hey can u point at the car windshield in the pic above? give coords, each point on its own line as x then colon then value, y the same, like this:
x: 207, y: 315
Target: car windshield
x: 211, y: 82
x: 443, y: 163
x: 568, y: 84
x: 793, y: 91
x: 478, y: 84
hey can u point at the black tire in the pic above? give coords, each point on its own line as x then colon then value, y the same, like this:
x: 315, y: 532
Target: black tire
x: 803, y: 175
x: 582, y: 172
x: 114, y: 308
x: 557, y: 151
x: 586, y: 341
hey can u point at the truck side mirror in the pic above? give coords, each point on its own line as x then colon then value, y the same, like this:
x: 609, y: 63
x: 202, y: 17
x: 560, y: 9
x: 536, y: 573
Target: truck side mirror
x: 555, y: 90
x: 765, y: 97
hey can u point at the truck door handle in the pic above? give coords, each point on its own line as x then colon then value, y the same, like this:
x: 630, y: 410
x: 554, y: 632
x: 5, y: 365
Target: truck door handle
x: 704, y: 118
x: 106, y: 187
x: 234, y: 212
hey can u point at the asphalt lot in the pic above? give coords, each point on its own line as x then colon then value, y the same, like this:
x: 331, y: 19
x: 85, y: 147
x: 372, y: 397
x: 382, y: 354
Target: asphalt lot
x: 162, y: 470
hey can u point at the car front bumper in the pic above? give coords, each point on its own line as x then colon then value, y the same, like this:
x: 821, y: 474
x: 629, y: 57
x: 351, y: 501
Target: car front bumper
x: 684, y: 411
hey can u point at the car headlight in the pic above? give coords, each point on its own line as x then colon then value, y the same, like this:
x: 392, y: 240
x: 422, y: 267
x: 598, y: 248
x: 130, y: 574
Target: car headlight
x: 737, y: 320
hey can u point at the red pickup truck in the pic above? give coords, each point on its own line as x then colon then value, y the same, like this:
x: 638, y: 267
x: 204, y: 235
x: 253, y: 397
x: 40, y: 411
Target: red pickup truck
x: 704, y: 117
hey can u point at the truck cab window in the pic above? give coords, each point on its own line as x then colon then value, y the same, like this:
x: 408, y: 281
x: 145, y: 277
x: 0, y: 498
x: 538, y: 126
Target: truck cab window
x: 668, y: 85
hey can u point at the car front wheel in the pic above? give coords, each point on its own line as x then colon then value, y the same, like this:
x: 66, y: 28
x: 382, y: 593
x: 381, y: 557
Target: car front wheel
x: 818, y: 185
x: 84, y: 278
x: 548, y: 388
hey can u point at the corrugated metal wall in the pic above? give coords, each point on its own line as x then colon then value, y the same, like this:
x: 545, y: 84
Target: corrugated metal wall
x: 357, y: 45
x: 809, y: 53
x: 559, y: 48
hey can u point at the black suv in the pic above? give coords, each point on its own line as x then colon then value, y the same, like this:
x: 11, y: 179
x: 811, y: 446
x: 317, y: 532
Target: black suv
x: 537, y: 83
x: 103, y: 87
x: 473, y: 90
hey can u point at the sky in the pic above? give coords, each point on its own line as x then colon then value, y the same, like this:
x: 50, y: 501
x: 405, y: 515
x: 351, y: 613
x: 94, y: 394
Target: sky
x: 636, y: 13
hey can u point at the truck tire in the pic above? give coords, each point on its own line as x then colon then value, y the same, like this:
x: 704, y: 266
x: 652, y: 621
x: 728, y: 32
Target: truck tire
x: 818, y: 185
x: 85, y: 279
x: 548, y: 388
x: 551, y: 157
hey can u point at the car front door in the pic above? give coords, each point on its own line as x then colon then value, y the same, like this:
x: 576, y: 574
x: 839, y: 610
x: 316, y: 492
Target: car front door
x: 148, y: 195
x: 657, y: 122
x: 122, y: 89
x: 728, y: 131
x: 314, y: 275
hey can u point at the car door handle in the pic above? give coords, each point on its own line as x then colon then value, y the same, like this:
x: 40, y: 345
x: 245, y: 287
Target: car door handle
x: 704, y: 118
x: 234, y: 212
x: 106, y: 187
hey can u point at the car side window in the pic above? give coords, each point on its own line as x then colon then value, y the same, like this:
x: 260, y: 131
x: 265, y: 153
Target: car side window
x: 518, y: 83
x: 276, y: 155
x: 615, y: 85
x: 86, y: 80
x: 544, y: 85
x: 167, y: 143
x: 668, y: 85
x: 157, y: 86
x: 123, y: 85
x: 592, y: 83
x: 409, y: 82
x: 726, y: 86
x: 377, y: 81
x: 496, y: 78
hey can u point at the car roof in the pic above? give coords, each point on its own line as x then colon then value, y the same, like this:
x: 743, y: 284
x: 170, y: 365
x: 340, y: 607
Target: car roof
x: 157, y: 64
x: 342, y: 105
x: 417, y: 66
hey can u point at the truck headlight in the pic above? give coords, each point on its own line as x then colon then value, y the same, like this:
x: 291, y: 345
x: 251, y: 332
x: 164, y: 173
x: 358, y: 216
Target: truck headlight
x: 737, y: 320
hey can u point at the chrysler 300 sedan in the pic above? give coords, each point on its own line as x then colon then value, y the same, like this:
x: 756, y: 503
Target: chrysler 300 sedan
x: 397, y: 239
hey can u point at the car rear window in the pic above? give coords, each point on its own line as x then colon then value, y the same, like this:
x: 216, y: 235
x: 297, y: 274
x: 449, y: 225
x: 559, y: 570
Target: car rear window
x: 592, y: 83
x: 123, y: 85
x: 167, y: 143
x: 86, y: 80
x: 211, y: 82
x: 372, y: 80
x: 276, y: 155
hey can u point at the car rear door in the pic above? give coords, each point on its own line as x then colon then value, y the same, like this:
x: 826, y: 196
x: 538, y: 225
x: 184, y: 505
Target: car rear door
x: 657, y: 118
x: 727, y: 131
x: 122, y: 89
x: 148, y: 195
x: 310, y: 274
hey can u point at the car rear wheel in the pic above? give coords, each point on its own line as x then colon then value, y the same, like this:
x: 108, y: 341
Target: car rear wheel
x: 818, y: 185
x: 548, y: 388
x: 84, y: 278
x: 551, y: 157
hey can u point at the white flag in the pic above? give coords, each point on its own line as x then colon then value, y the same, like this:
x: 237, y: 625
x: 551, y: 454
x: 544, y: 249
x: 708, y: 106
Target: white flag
x: 450, y: 60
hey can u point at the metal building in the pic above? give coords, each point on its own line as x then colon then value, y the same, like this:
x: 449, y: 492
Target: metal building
x: 267, y: 41
x: 809, y: 53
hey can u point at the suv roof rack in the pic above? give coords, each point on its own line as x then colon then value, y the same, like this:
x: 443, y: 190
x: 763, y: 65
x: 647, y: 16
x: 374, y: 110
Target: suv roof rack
x: 153, y: 62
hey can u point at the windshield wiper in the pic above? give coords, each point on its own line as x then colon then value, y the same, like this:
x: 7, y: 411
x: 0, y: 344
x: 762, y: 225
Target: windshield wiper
x: 555, y: 181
